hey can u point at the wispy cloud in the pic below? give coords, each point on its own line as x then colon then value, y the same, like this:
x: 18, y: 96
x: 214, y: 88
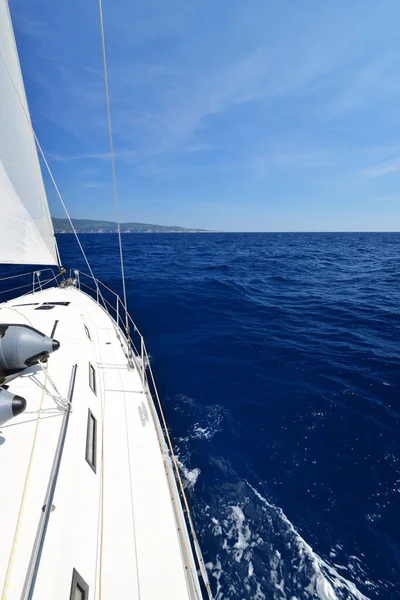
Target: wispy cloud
x: 29, y: 26
x: 94, y: 184
x: 169, y: 103
x: 53, y: 156
x: 383, y: 169
x: 288, y: 95
x: 259, y: 166
x: 385, y: 199
x: 128, y: 156
x: 303, y: 159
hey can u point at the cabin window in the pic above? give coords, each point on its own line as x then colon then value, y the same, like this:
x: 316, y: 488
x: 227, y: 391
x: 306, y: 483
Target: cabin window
x: 91, y: 440
x: 87, y: 332
x: 79, y: 587
x: 92, y: 378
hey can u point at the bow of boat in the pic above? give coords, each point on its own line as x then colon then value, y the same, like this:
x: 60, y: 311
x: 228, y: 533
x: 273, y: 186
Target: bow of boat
x: 116, y: 525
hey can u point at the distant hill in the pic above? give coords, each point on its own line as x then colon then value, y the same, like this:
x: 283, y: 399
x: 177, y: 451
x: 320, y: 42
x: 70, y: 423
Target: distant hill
x: 93, y: 226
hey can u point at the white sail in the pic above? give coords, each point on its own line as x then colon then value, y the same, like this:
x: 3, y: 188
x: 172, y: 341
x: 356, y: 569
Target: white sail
x: 26, y: 230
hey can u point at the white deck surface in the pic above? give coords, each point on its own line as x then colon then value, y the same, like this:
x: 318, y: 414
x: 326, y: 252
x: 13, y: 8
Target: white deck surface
x: 117, y: 526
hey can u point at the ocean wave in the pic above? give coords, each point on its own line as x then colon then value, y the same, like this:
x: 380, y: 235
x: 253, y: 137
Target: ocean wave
x: 276, y: 357
x: 289, y: 570
x: 189, y: 476
x: 204, y: 421
x: 324, y: 580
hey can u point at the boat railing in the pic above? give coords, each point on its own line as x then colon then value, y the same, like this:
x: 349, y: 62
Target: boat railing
x: 34, y: 283
x: 137, y: 356
x: 113, y: 304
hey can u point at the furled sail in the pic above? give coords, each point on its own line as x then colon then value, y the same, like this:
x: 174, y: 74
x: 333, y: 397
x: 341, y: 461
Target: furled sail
x: 26, y: 230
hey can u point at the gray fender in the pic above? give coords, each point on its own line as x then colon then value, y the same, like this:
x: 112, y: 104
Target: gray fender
x: 22, y: 346
x: 11, y: 405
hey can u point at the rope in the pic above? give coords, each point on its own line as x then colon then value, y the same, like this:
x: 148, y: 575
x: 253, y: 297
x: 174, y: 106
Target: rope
x: 19, y: 313
x: 23, y: 499
x: 61, y: 401
x: 112, y: 157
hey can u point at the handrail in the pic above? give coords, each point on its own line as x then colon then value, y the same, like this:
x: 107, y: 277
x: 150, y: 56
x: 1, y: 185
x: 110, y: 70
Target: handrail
x: 121, y: 319
x: 31, y: 576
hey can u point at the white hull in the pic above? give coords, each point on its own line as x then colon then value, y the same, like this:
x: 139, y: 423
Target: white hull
x: 119, y: 522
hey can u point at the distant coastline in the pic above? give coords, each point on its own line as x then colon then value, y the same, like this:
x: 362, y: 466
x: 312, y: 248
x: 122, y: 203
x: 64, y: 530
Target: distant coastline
x: 93, y: 226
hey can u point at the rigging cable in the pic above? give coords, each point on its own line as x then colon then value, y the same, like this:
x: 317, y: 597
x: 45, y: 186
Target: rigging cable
x: 62, y: 271
x: 112, y: 158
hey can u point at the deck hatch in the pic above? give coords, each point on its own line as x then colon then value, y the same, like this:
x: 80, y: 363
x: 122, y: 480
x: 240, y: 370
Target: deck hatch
x: 91, y: 440
x: 79, y: 587
x: 56, y: 303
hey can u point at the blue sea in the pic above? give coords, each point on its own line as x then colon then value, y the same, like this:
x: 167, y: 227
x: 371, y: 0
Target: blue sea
x: 277, y: 359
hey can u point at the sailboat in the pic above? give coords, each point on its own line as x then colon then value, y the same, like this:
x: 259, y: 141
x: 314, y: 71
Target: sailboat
x: 92, y: 502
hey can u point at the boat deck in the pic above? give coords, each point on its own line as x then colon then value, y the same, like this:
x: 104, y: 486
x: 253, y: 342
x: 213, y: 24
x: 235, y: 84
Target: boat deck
x: 114, y: 521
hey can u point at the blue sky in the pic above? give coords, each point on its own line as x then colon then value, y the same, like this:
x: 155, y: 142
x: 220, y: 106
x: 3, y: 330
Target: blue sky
x: 241, y: 115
